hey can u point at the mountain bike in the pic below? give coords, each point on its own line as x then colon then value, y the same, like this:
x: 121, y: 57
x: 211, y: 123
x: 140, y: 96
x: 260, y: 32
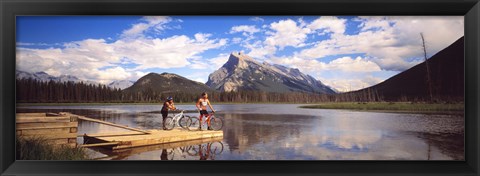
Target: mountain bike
x: 177, y: 120
x: 207, y: 149
x: 216, y: 123
x: 182, y: 151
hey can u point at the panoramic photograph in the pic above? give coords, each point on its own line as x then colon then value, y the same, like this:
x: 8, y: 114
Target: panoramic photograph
x: 240, y: 88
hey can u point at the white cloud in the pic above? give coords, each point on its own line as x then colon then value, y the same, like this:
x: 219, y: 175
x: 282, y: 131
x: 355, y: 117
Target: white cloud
x: 209, y: 64
x: 393, y: 42
x: 328, y: 24
x: 172, y: 52
x: 286, y: 33
x: 257, y: 19
x: 259, y: 51
x: 201, y: 37
x: 349, y: 73
x: 347, y: 64
x: 198, y: 76
x: 217, y: 62
x: 198, y: 63
x: 351, y: 84
x: 136, y: 29
x: 343, y: 64
x: 373, y: 23
x: 156, y: 23
x: 85, y: 59
x: 236, y: 40
x: 246, y: 30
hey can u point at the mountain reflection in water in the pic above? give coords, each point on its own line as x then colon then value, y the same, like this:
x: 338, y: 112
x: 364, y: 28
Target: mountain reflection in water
x: 285, y: 132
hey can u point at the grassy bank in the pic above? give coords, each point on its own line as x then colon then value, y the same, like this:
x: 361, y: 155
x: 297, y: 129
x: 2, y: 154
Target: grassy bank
x: 393, y: 107
x: 41, y: 149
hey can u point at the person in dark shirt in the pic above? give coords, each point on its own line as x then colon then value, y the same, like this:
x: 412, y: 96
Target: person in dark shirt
x: 167, y: 105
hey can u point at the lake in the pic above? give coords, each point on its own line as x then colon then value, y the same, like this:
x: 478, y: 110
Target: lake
x: 285, y: 132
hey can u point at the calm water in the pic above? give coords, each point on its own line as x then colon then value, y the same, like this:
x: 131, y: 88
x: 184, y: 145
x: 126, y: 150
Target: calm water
x: 285, y: 132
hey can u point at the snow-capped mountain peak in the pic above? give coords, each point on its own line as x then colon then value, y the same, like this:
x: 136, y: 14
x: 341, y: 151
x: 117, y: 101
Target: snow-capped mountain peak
x: 241, y: 72
x: 122, y: 84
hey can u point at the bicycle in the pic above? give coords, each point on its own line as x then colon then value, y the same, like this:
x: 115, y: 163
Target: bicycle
x: 208, y: 150
x: 180, y: 150
x: 216, y: 123
x: 178, y: 119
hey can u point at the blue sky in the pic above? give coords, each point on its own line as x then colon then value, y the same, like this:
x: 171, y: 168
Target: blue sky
x: 345, y: 52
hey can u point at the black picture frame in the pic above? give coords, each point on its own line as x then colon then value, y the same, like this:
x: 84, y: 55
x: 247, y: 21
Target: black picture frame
x: 11, y: 8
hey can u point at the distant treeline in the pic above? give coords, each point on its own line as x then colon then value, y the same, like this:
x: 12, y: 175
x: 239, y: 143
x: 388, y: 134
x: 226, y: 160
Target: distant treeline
x: 34, y: 91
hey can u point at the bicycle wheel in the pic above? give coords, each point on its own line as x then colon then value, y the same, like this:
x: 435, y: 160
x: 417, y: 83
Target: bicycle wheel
x: 202, y: 148
x: 183, y: 122
x: 192, y: 150
x: 193, y: 123
x: 216, y: 148
x: 216, y: 123
x: 169, y: 123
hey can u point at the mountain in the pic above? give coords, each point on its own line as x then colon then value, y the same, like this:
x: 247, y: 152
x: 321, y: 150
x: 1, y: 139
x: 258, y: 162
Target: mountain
x: 242, y: 72
x: 167, y: 83
x: 45, y: 77
x: 41, y: 76
x: 122, y: 84
x: 446, y: 72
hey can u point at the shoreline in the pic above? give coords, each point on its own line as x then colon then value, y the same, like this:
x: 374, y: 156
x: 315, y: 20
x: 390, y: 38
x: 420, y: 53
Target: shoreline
x: 396, y: 107
x: 386, y: 107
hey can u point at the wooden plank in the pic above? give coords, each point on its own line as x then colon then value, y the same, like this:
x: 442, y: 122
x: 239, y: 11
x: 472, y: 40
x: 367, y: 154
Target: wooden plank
x: 65, y: 136
x: 112, y: 134
x: 72, y: 140
x: 50, y: 114
x: 36, y: 119
x: 44, y: 131
x: 73, y: 119
x: 169, y: 139
x: 112, y: 124
x: 59, y: 141
x: 28, y: 126
x: 157, y: 137
x: 31, y: 114
x: 99, y: 144
x: 73, y: 130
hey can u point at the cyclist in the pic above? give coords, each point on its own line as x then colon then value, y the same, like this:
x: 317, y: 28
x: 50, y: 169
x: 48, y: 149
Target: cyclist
x: 164, y: 155
x: 167, y: 105
x: 201, y: 154
x: 202, y: 106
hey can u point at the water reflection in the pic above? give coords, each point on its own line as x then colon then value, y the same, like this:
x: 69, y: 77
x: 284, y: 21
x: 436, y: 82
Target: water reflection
x: 206, y: 149
x: 284, y: 132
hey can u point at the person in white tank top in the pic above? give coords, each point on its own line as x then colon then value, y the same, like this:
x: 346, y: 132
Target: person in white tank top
x: 202, y: 104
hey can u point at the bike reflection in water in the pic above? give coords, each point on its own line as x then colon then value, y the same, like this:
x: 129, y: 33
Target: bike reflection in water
x: 206, y: 151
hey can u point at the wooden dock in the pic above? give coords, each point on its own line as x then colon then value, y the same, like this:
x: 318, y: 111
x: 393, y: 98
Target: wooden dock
x: 117, y: 141
x: 62, y: 128
x: 55, y: 128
